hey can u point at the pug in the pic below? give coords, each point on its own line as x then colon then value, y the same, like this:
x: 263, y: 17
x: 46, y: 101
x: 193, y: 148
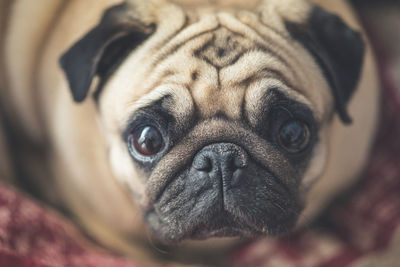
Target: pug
x: 169, y: 121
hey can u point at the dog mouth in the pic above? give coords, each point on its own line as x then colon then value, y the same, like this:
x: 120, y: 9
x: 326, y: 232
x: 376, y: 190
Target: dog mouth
x: 222, y: 225
x: 215, y: 222
x: 198, y: 207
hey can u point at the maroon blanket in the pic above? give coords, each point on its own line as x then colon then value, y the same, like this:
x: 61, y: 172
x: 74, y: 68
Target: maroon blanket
x: 357, y: 229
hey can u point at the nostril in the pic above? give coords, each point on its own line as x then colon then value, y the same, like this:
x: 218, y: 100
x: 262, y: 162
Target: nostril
x: 235, y: 162
x: 239, y: 162
x: 203, y: 163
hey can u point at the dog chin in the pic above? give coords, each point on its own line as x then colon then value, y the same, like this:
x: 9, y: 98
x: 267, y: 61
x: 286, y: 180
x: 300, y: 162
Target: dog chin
x: 221, y: 224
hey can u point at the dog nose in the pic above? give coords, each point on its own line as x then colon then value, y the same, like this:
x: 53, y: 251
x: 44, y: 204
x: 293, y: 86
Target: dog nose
x: 224, y: 160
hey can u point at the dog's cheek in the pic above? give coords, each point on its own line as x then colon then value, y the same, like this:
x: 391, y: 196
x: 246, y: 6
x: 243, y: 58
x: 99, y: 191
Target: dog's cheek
x: 186, y: 199
x: 313, y: 176
x: 131, y: 178
x: 316, y: 165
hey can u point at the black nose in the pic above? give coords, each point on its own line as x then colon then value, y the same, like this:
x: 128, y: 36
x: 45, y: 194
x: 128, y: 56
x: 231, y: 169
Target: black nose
x: 224, y: 160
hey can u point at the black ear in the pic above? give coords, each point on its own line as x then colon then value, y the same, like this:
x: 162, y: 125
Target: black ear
x: 101, y: 50
x: 337, y: 49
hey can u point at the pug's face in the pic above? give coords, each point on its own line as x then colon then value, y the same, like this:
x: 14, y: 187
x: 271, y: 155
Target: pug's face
x: 217, y: 119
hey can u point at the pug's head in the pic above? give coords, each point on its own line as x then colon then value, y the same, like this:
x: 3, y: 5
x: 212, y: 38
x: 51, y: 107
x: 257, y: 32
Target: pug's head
x: 217, y: 118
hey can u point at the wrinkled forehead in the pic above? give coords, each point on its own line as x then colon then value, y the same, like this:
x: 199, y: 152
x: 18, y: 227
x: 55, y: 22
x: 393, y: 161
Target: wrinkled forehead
x: 215, y: 63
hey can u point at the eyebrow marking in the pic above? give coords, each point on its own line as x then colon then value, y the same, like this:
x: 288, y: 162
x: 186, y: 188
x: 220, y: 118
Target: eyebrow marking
x: 194, y: 75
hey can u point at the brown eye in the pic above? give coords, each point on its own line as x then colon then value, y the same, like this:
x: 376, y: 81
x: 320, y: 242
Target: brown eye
x: 294, y: 136
x: 147, y: 141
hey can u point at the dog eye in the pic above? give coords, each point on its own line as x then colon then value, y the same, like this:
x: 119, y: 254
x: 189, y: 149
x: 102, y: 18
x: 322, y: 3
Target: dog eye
x: 146, y: 140
x: 294, y: 136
